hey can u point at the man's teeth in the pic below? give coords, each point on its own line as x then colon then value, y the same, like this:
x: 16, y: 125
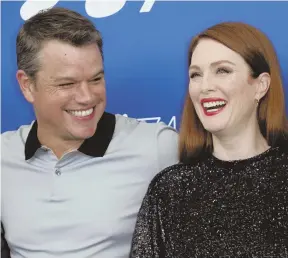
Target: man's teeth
x: 213, y: 104
x: 81, y: 113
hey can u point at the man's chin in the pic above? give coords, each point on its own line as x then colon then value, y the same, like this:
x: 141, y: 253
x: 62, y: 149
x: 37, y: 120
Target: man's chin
x: 83, y: 134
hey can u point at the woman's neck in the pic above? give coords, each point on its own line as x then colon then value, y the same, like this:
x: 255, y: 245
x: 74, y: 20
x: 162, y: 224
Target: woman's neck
x: 246, y: 144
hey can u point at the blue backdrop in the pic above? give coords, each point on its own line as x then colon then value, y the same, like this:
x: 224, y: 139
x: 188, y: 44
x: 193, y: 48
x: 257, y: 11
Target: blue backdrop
x: 145, y: 50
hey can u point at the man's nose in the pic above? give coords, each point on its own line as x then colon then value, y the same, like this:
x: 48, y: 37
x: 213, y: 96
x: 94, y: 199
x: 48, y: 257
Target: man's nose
x: 84, y: 94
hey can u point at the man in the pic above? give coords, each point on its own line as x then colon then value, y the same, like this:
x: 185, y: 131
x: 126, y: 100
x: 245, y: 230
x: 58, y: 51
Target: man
x: 74, y: 179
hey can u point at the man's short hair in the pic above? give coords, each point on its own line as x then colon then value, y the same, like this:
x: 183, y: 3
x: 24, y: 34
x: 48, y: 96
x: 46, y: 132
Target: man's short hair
x: 53, y: 24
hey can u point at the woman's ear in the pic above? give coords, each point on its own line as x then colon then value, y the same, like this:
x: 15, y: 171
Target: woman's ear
x: 262, y: 85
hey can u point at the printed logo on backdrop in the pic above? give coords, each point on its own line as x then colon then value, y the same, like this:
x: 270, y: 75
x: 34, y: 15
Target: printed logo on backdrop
x: 157, y: 119
x: 95, y: 9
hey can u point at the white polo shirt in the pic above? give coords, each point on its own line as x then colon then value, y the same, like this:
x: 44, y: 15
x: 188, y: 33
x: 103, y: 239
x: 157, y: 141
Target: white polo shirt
x: 86, y: 203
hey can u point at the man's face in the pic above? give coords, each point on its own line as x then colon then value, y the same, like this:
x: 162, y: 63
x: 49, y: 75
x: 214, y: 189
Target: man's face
x: 69, y: 94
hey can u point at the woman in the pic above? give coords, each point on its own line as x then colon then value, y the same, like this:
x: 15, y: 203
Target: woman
x: 228, y: 197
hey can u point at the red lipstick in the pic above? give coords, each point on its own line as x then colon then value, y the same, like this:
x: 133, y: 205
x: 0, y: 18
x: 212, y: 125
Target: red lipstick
x: 213, y: 106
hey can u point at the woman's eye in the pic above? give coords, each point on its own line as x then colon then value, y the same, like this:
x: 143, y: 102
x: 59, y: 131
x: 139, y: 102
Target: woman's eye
x: 223, y: 70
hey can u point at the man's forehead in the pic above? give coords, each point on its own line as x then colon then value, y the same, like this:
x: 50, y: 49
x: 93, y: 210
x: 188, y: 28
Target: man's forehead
x: 55, y: 49
x: 68, y: 60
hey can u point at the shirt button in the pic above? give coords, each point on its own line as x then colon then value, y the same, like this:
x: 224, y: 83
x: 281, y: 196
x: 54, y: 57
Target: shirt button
x: 58, y: 172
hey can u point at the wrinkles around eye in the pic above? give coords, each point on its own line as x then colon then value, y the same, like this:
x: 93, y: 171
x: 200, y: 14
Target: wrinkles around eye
x: 218, y: 71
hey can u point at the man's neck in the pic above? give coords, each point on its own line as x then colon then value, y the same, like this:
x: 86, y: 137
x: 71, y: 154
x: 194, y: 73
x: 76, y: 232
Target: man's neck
x: 57, y: 145
x: 245, y: 144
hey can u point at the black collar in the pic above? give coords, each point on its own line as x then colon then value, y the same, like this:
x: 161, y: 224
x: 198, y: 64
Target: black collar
x: 95, y: 146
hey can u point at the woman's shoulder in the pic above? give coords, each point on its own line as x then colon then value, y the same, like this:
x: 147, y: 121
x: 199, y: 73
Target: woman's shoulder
x: 282, y: 143
x: 174, y: 176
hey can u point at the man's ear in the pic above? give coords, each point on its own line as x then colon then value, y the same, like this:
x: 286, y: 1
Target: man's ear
x: 262, y: 85
x: 26, y: 85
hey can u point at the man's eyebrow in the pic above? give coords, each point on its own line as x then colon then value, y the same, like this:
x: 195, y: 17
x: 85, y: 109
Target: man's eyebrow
x: 71, y: 78
x: 101, y: 72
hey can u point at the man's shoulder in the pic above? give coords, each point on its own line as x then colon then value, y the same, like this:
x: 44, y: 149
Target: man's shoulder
x: 133, y: 125
x: 11, y: 138
x: 157, y: 141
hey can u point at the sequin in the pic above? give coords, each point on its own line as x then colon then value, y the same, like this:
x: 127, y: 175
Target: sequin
x: 217, y: 209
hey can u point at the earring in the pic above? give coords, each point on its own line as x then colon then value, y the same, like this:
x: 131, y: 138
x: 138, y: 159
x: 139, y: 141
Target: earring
x: 257, y: 101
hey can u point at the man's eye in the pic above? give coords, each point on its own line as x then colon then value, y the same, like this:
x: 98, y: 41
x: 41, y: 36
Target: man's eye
x: 193, y: 75
x: 97, y: 79
x: 66, y: 84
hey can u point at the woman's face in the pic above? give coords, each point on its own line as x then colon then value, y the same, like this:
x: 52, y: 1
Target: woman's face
x: 222, y: 91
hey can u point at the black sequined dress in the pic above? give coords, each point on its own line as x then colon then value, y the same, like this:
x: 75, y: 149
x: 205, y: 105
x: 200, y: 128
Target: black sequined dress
x: 217, y: 209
